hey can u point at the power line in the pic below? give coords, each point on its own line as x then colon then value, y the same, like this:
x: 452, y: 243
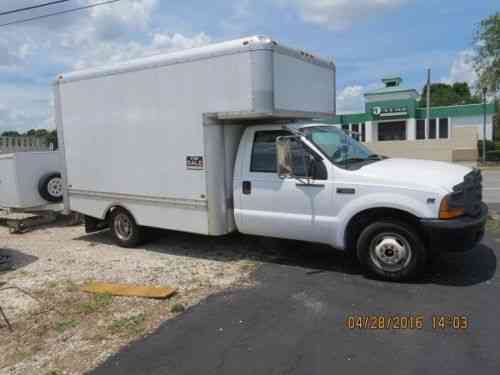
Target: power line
x: 33, y: 7
x: 59, y: 13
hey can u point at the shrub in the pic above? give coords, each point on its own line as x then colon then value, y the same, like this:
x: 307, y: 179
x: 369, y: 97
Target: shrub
x: 493, y: 155
x: 490, y: 146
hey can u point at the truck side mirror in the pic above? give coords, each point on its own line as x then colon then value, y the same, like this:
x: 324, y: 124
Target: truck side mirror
x: 284, y: 156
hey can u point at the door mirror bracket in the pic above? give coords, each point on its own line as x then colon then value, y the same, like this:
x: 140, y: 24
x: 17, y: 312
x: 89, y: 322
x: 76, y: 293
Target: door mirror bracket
x: 284, y: 156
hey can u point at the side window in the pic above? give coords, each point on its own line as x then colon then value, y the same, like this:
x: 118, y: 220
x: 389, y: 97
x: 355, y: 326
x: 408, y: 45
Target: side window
x: 263, y: 158
x: 264, y: 151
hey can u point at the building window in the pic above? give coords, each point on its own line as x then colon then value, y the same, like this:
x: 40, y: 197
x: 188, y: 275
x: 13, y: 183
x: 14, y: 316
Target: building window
x: 363, y: 132
x: 420, y: 129
x: 345, y: 128
x: 392, y: 131
x: 432, y: 128
x: 443, y: 128
x: 355, y: 131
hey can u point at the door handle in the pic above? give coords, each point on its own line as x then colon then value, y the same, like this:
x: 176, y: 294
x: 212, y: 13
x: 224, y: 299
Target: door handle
x: 247, y: 187
x: 298, y: 184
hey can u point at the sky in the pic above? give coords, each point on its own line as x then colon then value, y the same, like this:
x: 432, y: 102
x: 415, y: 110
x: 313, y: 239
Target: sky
x: 367, y: 39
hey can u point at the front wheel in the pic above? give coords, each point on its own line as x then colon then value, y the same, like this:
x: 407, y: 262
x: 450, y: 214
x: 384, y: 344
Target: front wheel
x: 124, y: 228
x: 392, y: 251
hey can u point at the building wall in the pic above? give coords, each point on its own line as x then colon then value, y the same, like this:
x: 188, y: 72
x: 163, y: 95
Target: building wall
x: 476, y: 121
x: 462, y: 146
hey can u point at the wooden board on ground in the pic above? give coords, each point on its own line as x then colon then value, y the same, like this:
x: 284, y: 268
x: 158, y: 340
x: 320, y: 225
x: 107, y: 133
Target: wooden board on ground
x: 128, y: 290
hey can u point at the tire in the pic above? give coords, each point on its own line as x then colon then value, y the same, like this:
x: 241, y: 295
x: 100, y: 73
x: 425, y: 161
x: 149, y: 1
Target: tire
x: 125, y: 230
x: 50, y: 187
x: 392, y: 251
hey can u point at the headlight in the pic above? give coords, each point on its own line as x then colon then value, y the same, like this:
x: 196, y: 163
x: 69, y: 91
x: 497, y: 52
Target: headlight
x: 451, y: 206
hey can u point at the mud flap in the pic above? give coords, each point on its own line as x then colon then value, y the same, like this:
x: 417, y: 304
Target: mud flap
x: 94, y: 225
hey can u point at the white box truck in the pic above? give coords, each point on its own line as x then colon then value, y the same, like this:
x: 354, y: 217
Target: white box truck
x: 222, y: 138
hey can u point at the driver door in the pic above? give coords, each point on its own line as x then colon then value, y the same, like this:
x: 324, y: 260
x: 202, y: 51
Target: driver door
x: 284, y: 208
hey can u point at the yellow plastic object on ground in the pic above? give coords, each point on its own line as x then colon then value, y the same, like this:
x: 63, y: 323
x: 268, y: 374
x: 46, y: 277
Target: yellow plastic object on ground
x: 128, y: 290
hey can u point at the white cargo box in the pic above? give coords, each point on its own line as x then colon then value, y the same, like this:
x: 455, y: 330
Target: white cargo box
x: 20, y: 174
x: 158, y: 136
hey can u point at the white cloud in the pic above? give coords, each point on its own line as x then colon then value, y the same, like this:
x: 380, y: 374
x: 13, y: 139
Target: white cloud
x: 340, y: 14
x: 40, y: 50
x: 350, y: 99
x: 98, y: 52
x: 117, y: 21
x: 462, y: 69
x: 242, y: 14
x: 25, y: 107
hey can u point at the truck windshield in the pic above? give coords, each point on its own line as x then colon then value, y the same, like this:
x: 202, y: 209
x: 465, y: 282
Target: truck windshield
x: 342, y: 150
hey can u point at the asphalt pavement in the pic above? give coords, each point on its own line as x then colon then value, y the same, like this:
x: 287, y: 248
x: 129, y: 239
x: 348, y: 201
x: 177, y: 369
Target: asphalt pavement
x: 295, y: 321
x: 491, y: 189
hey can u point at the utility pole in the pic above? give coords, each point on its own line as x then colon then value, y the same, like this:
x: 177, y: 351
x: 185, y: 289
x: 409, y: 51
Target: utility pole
x: 428, y: 114
x: 485, y: 90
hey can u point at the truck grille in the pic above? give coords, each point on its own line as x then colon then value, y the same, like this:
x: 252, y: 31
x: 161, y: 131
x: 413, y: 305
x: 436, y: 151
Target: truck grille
x: 469, y: 193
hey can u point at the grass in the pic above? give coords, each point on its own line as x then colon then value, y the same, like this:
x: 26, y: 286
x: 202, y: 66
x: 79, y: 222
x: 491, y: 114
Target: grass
x: 68, y: 285
x: 71, y: 286
x: 66, y: 324
x: 52, y: 284
x: 96, y: 303
x: 493, y: 227
x: 248, y: 265
x: 132, y: 325
x: 177, y: 308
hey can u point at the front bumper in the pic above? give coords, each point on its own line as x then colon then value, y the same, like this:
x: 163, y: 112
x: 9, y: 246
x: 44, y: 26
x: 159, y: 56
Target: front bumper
x: 455, y: 235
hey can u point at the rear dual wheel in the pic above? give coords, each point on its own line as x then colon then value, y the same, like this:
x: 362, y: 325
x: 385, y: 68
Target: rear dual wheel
x: 124, y: 228
x: 392, y: 250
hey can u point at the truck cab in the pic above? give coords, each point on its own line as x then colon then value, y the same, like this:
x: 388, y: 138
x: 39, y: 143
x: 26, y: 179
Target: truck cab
x: 312, y: 182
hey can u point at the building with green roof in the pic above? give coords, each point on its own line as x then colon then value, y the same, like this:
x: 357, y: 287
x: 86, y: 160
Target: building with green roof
x: 395, y: 125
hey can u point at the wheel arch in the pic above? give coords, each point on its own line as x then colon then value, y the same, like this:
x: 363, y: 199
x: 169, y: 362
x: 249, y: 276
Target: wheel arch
x: 115, y: 205
x: 361, y: 219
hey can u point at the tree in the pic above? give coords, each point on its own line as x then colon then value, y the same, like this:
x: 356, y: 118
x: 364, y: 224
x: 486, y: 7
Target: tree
x: 443, y: 94
x: 487, y: 60
x: 52, y: 138
x: 10, y: 133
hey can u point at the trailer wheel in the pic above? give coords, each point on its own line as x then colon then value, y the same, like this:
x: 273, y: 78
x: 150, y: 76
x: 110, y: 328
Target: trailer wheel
x: 50, y: 187
x: 124, y: 228
x: 391, y: 250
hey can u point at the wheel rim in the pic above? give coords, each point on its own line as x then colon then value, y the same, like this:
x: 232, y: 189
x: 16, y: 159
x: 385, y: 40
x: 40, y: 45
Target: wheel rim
x: 390, y: 252
x: 55, y: 187
x: 123, y: 227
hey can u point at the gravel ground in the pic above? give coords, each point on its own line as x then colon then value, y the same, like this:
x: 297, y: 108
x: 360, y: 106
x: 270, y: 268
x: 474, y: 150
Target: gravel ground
x: 66, y: 331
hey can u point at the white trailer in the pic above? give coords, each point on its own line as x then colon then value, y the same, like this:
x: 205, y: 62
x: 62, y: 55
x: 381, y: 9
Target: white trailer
x: 158, y: 136
x: 30, y: 180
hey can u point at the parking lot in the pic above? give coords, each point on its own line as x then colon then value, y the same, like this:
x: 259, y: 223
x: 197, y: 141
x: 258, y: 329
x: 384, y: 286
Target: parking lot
x: 295, y: 321
x: 491, y: 188
x: 297, y: 318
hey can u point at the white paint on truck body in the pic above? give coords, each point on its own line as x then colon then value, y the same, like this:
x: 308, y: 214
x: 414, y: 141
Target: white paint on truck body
x: 284, y: 209
x: 134, y: 134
